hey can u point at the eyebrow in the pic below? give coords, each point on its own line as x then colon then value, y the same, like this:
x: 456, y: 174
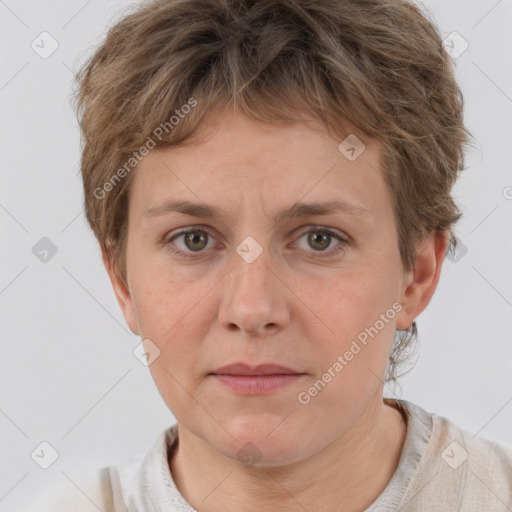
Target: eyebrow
x: 297, y: 210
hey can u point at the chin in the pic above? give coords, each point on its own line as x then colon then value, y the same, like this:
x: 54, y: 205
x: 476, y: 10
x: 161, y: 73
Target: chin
x: 264, y: 441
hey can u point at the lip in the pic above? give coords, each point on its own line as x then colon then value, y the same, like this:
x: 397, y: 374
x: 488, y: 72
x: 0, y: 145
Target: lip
x: 259, y: 370
x: 255, y: 380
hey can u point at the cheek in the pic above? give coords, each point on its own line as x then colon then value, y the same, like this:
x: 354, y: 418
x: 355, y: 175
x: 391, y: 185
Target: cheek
x: 173, y: 316
x: 350, y: 300
x: 351, y: 363
x: 161, y: 295
x: 353, y: 318
x: 171, y: 312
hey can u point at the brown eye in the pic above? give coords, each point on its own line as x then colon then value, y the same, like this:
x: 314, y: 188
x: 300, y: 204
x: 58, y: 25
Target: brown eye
x: 188, y: 242
x: 319, y: 240
x: 196, y: 240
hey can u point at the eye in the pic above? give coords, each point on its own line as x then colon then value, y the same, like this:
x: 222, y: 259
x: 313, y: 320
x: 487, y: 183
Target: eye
x: 191, y: 241
x: 320, y: 239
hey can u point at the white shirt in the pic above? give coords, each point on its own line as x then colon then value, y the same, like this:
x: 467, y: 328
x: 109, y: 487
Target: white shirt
x: 441, y: 469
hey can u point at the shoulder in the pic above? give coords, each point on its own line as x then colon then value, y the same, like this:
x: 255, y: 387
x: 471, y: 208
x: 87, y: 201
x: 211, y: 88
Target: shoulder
x: 143, y: 480
x: 488, y: 461
x: 91, y: 493
x: 467, y: 471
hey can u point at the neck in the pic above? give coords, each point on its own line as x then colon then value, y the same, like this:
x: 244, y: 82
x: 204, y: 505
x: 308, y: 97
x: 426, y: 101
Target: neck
x: 347, y: 474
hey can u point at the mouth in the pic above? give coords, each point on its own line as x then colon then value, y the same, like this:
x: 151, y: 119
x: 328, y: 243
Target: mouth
x: 255, y: 380
x: 260, y: 370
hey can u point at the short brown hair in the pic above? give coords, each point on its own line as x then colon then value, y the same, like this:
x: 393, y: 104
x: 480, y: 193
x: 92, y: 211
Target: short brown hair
x: 378, y: 64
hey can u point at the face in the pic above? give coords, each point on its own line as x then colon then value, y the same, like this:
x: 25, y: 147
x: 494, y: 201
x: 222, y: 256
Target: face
x: 259, y: 280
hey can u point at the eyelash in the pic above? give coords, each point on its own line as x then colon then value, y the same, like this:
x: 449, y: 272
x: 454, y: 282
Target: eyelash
x: 314, y: 254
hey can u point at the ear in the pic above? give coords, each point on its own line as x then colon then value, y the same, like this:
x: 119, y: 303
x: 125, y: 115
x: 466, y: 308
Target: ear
x: 420, y: 283
x: 122, y: 293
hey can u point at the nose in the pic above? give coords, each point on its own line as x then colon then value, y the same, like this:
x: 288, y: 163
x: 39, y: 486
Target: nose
x: 255, y: 298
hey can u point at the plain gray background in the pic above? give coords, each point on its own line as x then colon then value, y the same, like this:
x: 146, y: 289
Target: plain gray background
x: 68, y: 374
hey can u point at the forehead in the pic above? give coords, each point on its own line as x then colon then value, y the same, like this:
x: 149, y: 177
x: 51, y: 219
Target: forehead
x: 241, y: 163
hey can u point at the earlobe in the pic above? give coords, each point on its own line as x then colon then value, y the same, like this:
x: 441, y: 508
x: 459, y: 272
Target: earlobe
x: 122, y: 293
x: 421, y: 282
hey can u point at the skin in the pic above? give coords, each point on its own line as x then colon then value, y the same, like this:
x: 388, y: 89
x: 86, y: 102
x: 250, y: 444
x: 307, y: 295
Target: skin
x: 339, y: 451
